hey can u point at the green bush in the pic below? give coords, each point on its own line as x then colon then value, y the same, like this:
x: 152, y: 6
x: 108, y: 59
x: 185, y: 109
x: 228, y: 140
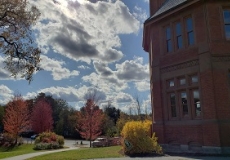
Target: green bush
x: 137, y: 139
x: 60, y: 140
x: 48, y: 140
x: 45, y: 146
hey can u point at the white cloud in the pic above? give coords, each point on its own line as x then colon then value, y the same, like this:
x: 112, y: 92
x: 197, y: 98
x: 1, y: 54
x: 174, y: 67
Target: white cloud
x: 56, y: 67
x: 132, y: 70
x: 83, y: 67
x: 84, y: 31
x: 107, y: 84
x: 117, y: 80
x: 142, y: 85
x: 70, y: 94
x: 140, y: 13
x: 124, y: 98
x: 6, y: 94
x: 4, y: 73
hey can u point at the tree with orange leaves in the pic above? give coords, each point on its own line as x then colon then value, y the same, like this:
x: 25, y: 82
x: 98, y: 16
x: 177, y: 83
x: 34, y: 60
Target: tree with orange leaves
x: 89, y: 122
x: 16, y: 118
x: 41, y: 118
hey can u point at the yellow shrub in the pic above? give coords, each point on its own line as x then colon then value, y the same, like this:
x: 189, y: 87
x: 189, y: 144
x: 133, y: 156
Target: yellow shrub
x: 137, y: 138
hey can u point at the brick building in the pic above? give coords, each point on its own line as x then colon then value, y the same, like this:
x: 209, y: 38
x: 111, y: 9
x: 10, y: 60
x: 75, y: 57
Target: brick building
x: 188, y: 42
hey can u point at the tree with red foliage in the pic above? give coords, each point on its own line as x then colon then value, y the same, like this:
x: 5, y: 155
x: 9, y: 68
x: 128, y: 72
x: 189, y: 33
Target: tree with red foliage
x: 41, y: 118
x: 16, y: 118
x: 89, y: 122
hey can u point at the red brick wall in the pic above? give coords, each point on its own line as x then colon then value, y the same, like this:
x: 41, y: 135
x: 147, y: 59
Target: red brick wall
x: 222, y: 94
x: 184, y: 134
x: 214, y: 127
x: 159, y: 131
x: 224, y: 134
x: 211, y: 135
x: 207, y: 94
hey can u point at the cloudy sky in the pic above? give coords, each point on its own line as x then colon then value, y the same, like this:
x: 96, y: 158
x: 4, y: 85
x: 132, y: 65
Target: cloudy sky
x: 87, y: 44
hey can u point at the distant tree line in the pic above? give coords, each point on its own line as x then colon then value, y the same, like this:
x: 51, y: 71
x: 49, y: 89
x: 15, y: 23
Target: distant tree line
x: 45, y: 113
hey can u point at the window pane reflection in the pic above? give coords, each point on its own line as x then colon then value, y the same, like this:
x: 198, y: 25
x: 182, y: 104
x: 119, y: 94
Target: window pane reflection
x: 227, y: 31
x: 173, y: 104
x: 190, y: 33
x: 168, y: 39
x: 196, y: 101
x: 226, y: 16
x: 190, y: 38
x: 189, y: 24
x: 171, y: 83
x: 182, y: 81
x: 194, y: 79
x: 184, y: 103
x: 179, y: 42
x: 179, y: 36
x: 227, y: 23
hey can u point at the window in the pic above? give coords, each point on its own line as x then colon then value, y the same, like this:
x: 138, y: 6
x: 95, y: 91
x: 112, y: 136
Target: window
x: 196, y: 102
x: 182, y: 81
x: 182, y: 34
x: 227, y: 23
x: 229, y: 77
x: 189, y: 30
x: 184, y: 103
x: 183, y: 97
x: 194, y: 79
x: 170, y: 83
x: 173, y: 104
x: 168, y: 39
x: 179, y: 40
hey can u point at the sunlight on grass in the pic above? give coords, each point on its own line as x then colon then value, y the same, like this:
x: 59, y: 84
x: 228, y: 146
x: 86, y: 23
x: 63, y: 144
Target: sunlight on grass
x: 19, y: 150
x: 86, y: 153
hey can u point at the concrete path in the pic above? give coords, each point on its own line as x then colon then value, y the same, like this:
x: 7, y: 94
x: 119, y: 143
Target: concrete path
x: 27, y: 156
x: 30, y: 155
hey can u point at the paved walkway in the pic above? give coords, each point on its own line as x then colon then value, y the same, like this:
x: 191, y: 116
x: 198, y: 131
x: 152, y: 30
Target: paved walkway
x: 30, y: 155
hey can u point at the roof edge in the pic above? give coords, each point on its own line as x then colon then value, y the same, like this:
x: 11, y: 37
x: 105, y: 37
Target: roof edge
x: 178, y: 7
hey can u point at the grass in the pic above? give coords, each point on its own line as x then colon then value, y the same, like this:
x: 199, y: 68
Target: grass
x: 19, y: 150
x: 84, y: 153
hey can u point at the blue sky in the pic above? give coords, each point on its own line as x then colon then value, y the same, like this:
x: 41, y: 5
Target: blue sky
x: 87, y: 44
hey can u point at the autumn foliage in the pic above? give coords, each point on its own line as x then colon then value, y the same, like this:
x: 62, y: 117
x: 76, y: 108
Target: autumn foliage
x: 22, y: 57
x: 137, y: 138
x: 48, y: 140
x: 16, y: 118
x: 41, y: 118
x: 90, y: 121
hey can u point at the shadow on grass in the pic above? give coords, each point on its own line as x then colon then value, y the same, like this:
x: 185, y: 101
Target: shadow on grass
x: 138, y: 155
x: 8, y: 149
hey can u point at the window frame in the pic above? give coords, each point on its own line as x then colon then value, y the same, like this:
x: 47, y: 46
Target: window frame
x: 178, y: 89
x: 171, y: 117
x: 192, y: 103
x: 179, y: 35
x: 181, y: 105
x: 188, y: 31
x: 226, y: 23
x: 170, y: 39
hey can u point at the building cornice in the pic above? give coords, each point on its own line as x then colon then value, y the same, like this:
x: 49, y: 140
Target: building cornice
x: 173, y: 10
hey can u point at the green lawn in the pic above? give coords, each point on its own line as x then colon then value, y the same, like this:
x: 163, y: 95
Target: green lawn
x: 19, y: 150
x: 84, y: 153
